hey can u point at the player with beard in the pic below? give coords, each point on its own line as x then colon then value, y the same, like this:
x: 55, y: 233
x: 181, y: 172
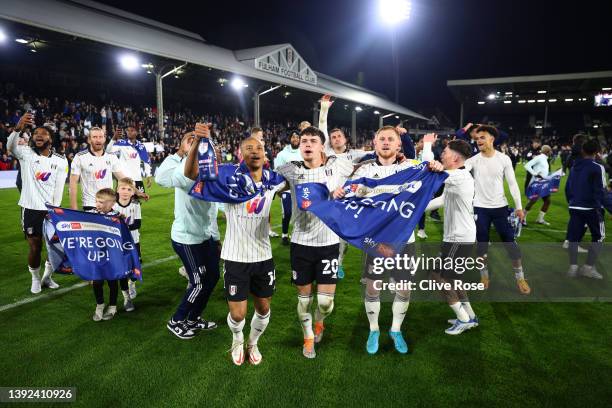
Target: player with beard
x: 314, y: 247
x: 43, y: 177
x: 387, y: 145
x: 131, y: 153
x: 290, y: 152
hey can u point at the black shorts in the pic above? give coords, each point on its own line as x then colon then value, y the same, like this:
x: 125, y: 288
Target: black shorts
x: 311, y: 264
x: 240, y: 278
x: 140, y: 186
x: 32, y: 222
x: 88, y: 208
x: 375, y: 268
x: 459, y: 253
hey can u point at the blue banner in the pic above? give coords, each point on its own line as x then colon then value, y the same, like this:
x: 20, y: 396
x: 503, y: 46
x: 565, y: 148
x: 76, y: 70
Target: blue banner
x: 543, y: 187
x: 376, y: 215
x: 140, y: 148
x: 96, y: 246
x: 235, y: 185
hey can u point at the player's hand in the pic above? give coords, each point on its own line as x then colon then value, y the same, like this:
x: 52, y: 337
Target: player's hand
x: 26, y: 120
x: 148, y: 183
x: 435, y: 166
x: 520, y: 214
x: 401, y: 130
x: 326, y: 102
x: 338, y: 193
x: 400, y: 157
x: 466, y: 127
x: 118, y: 134
x: 430, y: 138
x: 142, y: 195
x: 202, y: 130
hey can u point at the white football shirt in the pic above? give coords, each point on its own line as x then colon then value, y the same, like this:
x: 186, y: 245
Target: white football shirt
x: 131, y: 213
x: 129, y: 160
x: 95, y: 173
x: 489, y: 174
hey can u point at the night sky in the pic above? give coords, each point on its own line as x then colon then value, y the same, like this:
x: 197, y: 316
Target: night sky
x: 444, y: 39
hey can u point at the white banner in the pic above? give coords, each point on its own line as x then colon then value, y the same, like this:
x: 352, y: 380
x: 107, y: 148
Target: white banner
x: 8, y: 179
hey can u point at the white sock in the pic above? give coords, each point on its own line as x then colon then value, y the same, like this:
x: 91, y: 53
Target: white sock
x: 285, y: 236
x: 518, y: 273
x: 303, y: 311
x: 126, y: 294
x: 541, y: 216
x: 460, y: 312
x: 35, y: 272
x: 236, y: 328
x: 484, y: 272
x: 468, y: 308
x: 372, y: 307
x: 400, y: 306
x: 258, y: 326
x: 325, y: 305
x: 48, y: 270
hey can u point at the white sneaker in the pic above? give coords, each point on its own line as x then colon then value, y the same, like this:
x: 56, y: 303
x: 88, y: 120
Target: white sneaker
x: 238, y: 352
x: 273, y: 234
x: 254, y: 354
x: 422, y: 234
x: 590, y: 272
x: 581, y: 250
x: 183, y: 272
x: 110, y: 313
x: 36, y: 286
x: 565, y: 244
x: 572, y: 272
x: 99, y: 313
x: 132, y: 289
x: 542, y: 222
x: 49, y: 283
x: 458, y: 328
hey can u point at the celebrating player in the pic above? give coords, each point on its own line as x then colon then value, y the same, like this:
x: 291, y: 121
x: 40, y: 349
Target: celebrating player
x: 459, y: 230
x: 43, y: 176
x: 131, y: 153
x: 314, y: 247
x: 490, y: 167
x: 538, y: 167
x: 94, y: 168
x: 193, y: 241
x: 387, y: 144
x: 246, y: 252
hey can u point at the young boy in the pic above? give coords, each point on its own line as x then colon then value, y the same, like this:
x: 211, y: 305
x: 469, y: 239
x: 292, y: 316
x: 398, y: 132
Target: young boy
x: 105, y: 200
x: 129, y: 208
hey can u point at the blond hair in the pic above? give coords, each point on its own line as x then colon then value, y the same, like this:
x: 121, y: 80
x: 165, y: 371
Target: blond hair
x: 106, y: 193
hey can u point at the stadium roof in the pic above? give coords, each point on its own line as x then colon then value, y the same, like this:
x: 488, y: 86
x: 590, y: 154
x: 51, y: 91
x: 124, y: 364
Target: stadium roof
x: 566, y: 86
x: 278, y: 64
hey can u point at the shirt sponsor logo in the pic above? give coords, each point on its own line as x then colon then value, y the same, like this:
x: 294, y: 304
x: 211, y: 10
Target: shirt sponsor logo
x: 255, y: 205
x: 42, y: 175
x: 132, y: 155
x: 100, y: 174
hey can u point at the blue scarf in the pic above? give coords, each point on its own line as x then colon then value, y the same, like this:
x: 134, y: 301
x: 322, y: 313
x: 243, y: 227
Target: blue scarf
x: 235, y: 185
x: 140, y: 148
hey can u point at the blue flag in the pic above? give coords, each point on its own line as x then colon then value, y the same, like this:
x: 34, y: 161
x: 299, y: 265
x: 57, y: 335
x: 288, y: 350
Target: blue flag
x: 140, y: 148
x: 376, y: 215
x: 543, y: 187
x: 96, y: 246
x: 235, y: 185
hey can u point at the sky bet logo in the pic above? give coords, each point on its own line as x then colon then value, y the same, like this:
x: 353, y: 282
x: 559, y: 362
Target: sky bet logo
x: 132, y: 155
x: 255, y: 205
x: 100, y: 174
x: 42, y: 175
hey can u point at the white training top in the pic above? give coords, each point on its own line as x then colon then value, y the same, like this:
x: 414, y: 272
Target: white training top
x: 458, y: 202
x: 538, y: 166
x: 373, y: 169
x: 96, y: 173
x: 489, y: 174
x: 43, y: 177
x: 308, y: 229
x: 129, y: 160
x: 247, y: 232
x: 354, y: 155
x: 131, y: 213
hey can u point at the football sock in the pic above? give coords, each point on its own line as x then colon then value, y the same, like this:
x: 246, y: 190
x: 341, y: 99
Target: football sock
x: 460, y: 312
x: 468, y: 308
x: 518, y: 273
x: 303, y: 311
x: 400, y: 306
x: 258, y: 326
x: 325, y: 305
x: 236, y: 328
x: 541, y: 216
x: 35, y: 272
x: 372, y: 307
x: 48, y: 270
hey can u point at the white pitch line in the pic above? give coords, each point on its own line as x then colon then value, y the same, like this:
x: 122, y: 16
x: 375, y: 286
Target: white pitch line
x: 71, y: 288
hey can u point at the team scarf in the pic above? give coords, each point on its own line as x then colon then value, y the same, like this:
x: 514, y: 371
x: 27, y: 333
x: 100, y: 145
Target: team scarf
x: 235, y: 185
x: 376, y: 215
x: 543, y: 187
x: 139, y: 146
x: 93, y: 246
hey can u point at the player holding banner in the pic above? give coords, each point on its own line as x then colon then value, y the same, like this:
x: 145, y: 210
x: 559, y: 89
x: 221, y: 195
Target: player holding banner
x: 538, y: 168
x: 247, y: 252
x: 291, y: 152
x: 314, y: 247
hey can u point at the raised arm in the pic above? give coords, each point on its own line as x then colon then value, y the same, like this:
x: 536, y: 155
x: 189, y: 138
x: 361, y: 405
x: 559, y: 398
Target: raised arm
x: 12, y: 144
x: 407, y: 144
x: 326, y: 103
x: 191, y: 166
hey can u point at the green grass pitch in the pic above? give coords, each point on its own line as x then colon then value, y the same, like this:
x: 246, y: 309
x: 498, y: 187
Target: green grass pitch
x: 523, y: 354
